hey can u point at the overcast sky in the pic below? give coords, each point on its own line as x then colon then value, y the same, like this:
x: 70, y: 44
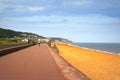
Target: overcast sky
x: 77, y: 20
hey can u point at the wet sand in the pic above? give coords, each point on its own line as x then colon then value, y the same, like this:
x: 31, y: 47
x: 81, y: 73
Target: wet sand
x: 96, y: 65
x: 33, y: 63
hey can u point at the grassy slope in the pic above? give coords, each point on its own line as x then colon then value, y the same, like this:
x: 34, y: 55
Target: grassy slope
x: 96, y: 65
x: 4, y: 41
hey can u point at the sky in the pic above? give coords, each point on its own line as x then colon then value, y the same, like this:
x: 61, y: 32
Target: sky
x: 85, y: 21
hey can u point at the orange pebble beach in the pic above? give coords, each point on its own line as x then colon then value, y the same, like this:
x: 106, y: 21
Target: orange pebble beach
x: 96, y: 65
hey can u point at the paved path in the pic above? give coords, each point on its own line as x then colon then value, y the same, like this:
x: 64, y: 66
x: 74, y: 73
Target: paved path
x: 33, y: 63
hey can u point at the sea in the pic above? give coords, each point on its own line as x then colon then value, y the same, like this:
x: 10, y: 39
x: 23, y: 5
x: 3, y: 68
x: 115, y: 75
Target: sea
x: 112, y: 48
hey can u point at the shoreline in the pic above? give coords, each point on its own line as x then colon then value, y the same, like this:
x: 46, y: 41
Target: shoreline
x: 93, y: 49
x: 96, y: 65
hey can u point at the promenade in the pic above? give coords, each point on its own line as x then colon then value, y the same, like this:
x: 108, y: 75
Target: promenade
x: 32, y: 63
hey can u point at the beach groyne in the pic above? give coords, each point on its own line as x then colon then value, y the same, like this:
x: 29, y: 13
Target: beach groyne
x: 96, y: 65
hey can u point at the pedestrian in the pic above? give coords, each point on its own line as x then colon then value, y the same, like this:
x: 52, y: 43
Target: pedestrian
x: 39, y: 42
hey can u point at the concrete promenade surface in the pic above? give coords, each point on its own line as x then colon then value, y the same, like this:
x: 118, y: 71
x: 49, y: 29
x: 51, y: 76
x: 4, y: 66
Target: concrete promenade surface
x: 32, y: 63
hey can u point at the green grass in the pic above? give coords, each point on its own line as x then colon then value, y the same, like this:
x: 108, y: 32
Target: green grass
x: 4, y: 41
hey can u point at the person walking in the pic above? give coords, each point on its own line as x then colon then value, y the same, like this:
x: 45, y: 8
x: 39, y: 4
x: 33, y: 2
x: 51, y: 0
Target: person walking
x: 39, y: 42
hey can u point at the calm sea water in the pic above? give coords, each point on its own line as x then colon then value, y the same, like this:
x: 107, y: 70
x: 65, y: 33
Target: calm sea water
x: 107, y: 47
